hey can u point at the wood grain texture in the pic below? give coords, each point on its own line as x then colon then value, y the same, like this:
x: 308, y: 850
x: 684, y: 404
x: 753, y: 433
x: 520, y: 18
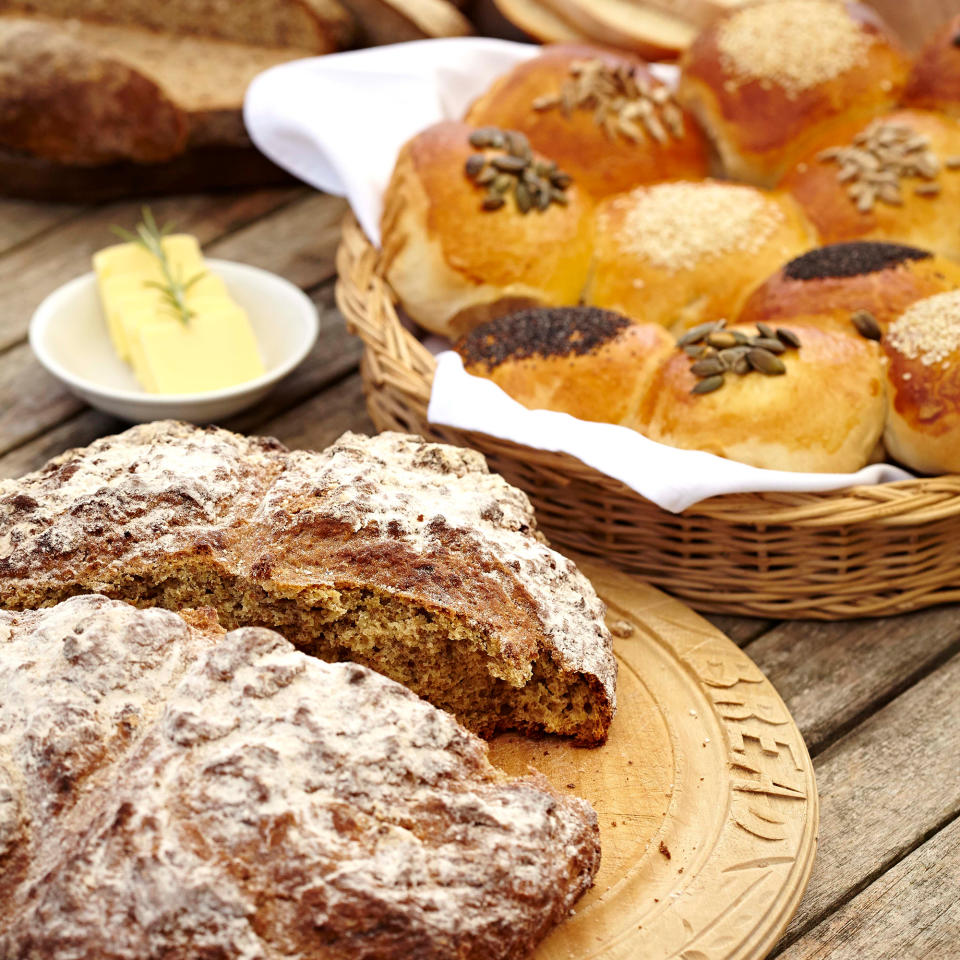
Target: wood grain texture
x: 912, y: 912
x: 21, y: 220
x: 831, y: 674
x: 883, y: 788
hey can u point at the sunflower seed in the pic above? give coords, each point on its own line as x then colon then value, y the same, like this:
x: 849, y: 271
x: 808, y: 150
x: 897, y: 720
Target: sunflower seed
x: 866, y: 324
x: 708, y: 367
x: 709, y: 384
x: 788, y: 337
x: 765, y: 362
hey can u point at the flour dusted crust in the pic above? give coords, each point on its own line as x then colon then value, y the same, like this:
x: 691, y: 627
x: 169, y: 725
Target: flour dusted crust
x: 270, y: 805
x: 407, y: 556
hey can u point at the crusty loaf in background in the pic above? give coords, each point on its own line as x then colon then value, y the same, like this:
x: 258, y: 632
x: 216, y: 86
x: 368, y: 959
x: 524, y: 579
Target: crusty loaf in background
x: 766, y: 80
x: 320, y: 26
x: 454, y: 265
x: 407, y: 556
x: 934, y: 82
x: 683, y: 253
x: 895, y: 178
x: 168, y: 792
x: 607, y: 139
x: 64, y: 100
x: 590, y: 363
x: 841, y: 279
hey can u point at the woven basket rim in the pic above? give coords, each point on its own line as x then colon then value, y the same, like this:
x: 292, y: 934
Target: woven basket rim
x: 396, y: 357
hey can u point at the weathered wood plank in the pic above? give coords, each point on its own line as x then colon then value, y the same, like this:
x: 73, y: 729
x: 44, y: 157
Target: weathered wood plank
x: 741, y: 630
x: 832, y: 674
x: 911, y: 912
x: 20, y: 220
x: 299, y: 241
x: 318, y: 422
x: 30, y: 272
x: 883, y: 788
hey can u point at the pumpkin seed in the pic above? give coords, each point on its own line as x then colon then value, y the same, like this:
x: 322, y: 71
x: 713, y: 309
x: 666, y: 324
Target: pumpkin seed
x: 765, y: 331
x: 765, y: 362
x: 475, y: 163
x: 493, y: 201
x: 788, y: 337
x: 485, y: 176
x: 709, y: 384
x: 742, y: 365
x: 769, y: 343
x: 523, y: 198
x: 699, y: 332
x: 707, y: 367
x: 866, y: 324
x: 501, y: 183
x: 722, y: 339
x: 694, y: 350
x: 509, y: 163
x: 731, y: 355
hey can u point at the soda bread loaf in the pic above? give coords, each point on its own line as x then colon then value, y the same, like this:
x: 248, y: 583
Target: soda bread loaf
x: 406, y: 556
x: 167, y: 791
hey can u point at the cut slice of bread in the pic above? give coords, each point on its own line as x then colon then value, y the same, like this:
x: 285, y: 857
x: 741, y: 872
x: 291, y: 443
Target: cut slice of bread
x: 698, y: 12
x: 396, y: 21
x: 629, y: 25
x: 89, y: 93
x: 320, y: 26
x: 533, y: 17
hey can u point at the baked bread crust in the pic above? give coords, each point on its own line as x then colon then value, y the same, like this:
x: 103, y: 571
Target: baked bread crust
x: 761, y: 121
x: 575, y: 141
x: 835, y: 281
x: 590, y: 363
x: 64, y: 101
x: 454, y: 266
x: 925, y: 220
x: 404, y: 555
x: 256, y: 802
x: 934, y: 82
x: 683, y: 253
x: 824, y: 415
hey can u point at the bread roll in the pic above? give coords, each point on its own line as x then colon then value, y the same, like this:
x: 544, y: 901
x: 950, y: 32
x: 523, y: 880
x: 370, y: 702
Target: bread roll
x: 843, y: 281
x: 584, y: 107
x: 452, y: 262
x: 681, y: 253
x: 764, y: 81
x: 825, y: 413
x: 934, y: 82
x: 923, y: 393
x: 590, y: 363
x: 894, y: 178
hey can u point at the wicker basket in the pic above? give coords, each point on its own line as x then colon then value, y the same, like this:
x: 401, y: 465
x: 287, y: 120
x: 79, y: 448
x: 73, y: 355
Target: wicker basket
x: 866, y: 551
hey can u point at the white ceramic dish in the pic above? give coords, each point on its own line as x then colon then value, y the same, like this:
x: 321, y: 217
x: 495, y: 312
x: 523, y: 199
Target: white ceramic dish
x: 68, y: 334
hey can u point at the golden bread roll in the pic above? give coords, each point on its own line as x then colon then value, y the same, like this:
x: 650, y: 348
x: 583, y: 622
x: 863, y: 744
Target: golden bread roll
x: 847, y: 284
x: 934, y: 82
x: 681, y: 253
x: 923, y: 391
x: 824, y: 413
x: 894, y: 178
x: 590, y: 363
x: 601, y: 116
x: 461, y: 247
x: 766, y: 79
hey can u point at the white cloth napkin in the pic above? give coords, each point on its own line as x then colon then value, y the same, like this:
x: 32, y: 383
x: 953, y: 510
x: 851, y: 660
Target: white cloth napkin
x: 339, y: 121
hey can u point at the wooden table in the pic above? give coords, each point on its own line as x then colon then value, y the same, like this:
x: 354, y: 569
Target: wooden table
x: 877, y: 700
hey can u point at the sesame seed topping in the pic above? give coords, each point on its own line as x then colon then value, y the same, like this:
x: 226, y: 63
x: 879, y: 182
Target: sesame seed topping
x: 677, y: 225
x: 817, y: 40
x: 929, y: 330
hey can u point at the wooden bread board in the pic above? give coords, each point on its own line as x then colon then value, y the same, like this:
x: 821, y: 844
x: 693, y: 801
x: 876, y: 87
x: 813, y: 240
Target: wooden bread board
x: 705, y: 793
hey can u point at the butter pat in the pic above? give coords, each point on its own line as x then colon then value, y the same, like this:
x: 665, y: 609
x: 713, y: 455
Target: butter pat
x: 214, y: 348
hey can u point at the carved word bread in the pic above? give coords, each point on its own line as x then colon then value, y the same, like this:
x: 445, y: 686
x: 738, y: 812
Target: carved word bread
x: 406, y: 556
x: 167, y: 791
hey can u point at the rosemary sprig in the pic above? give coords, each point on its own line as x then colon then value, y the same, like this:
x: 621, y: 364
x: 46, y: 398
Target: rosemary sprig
x: 174, y: 288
